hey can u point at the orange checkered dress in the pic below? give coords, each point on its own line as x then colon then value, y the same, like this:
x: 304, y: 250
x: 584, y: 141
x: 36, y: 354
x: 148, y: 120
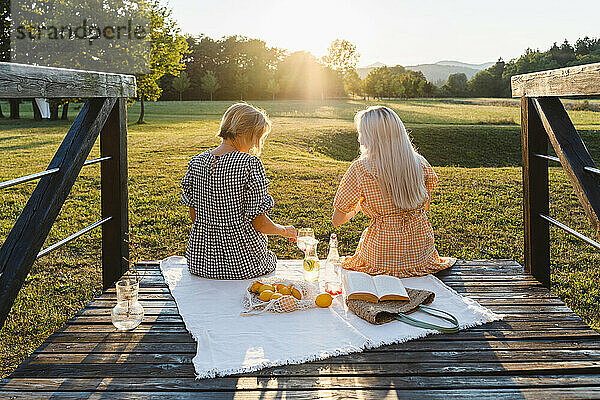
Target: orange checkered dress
x: 396, y: 242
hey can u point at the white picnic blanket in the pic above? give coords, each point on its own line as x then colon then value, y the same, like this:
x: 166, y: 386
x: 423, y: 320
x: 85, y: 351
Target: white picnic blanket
x: 229, y: 343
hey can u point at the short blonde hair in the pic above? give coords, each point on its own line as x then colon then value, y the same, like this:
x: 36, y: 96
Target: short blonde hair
x: 241, y: 119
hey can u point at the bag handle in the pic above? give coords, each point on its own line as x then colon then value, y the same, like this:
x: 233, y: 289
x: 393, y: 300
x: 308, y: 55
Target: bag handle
x: 426, y: 325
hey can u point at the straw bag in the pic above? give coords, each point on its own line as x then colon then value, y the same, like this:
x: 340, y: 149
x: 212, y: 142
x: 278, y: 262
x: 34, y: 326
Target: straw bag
x: 387, y: 311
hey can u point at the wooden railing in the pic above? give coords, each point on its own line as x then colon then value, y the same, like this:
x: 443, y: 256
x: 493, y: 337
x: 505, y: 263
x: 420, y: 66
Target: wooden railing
x: 104, y: 115
x: 544, y: 119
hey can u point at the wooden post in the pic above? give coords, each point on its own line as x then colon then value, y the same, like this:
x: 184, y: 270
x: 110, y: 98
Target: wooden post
x: 573, y: 155
x: 14, y: 108
x: 535, y: 193
x: 37, y: 114
x: 25, y: 239
x: 115, y: 246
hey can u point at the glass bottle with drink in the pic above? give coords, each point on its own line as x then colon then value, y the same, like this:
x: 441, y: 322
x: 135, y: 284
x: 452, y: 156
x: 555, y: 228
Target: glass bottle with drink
x: 331, y: 274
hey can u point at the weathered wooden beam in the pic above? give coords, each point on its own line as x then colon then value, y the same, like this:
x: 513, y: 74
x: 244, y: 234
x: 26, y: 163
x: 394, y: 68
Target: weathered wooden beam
x: 115, y: 246
x: 581, y: 80
x: 26, y: 81
x: 24, y: 241
x: 535, y: 194
x: 573, y: 155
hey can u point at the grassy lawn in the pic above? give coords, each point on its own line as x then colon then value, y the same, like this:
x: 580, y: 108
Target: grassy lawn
x: 476, y: 210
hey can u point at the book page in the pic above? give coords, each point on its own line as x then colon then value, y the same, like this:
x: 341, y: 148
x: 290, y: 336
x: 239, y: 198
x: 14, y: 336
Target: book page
x: 359, y: 282
x: 387, y: 285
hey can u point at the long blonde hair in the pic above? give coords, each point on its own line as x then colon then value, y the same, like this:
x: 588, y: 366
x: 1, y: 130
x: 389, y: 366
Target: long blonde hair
x: 391, y: 157
x: 242, y: 119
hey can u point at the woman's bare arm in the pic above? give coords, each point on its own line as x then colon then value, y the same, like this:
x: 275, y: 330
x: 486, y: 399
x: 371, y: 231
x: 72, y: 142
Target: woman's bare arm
x: 340, y: 218
x: 192, y: 214
x: 264, y: 224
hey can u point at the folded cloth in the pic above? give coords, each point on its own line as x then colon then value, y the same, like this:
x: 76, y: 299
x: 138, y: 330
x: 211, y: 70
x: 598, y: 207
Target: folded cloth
x: 386, y: 311
x: 230, y: 343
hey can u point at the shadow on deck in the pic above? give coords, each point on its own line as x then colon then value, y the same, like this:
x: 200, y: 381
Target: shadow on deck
x: 540, y: 350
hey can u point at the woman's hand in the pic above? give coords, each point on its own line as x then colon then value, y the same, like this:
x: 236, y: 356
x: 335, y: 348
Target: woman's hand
x: 264, y: 224
x: 290, y: 232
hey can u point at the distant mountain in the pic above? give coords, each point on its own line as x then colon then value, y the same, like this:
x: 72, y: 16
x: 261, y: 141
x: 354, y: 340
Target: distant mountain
x: 466, y: 65
x: 437, y: 73
x: 375, y: 65
x: 364, y: 71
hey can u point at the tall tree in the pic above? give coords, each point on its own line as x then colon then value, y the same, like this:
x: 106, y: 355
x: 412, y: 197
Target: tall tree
x: 563, y: 54
x: 302, y: 76
x: 456, y: 86
x: 341, y: 56
x: 210, y: 84
x: 4, y: 30
x: 489, y: 82
x: 380, y: 83
x: 273, y: 87
x: 181, y: 83
x: 168, y: 48
x: 397, y: 82
x: 586, y: 46
x: 352, y: 83
x: 242, y: 83
x: 4, y: 34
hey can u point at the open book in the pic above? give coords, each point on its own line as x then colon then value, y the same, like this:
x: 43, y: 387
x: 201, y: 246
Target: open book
x: 361, y: 286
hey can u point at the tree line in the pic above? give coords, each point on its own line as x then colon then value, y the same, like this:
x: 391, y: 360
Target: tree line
x: 236, y: 67
x: 495, y: 81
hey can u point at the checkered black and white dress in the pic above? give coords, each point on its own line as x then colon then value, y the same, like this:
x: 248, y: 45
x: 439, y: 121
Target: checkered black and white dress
x: 227, y: 192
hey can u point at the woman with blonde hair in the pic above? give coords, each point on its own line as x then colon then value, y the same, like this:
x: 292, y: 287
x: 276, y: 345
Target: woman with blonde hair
x: 391, y: 183
x: 226, y: 192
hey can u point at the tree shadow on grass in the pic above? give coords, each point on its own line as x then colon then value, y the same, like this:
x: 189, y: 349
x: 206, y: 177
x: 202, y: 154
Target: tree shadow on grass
x: 26, y: 146
x: 469, y: 146
x: 464, y: 146
x: 5, y: 138
x: 27, y: 123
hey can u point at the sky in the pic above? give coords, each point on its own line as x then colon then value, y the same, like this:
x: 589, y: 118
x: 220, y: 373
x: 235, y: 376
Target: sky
x: 397, y: 32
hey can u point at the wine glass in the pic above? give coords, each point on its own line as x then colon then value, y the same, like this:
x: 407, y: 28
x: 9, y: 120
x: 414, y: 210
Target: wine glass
x: 304, y: 233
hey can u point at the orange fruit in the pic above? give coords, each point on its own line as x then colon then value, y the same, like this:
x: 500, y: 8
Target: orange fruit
x: 324, y: 300
x: 288, y: 303
x: 278, y: 287
x: 296, y: 293
x: 254, y: 287
x: 264, y: 287
x: 265, y: 295
x: 276, y: 295
x: 284, y: 290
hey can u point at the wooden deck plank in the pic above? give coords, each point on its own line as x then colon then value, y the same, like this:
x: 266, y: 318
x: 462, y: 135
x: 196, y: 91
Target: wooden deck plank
x: 438, y: 356
x: 325, y: 367
x: 540, y: 350
x: 296, y: 383
x: 440, y: 345
x: 182, y: 337
x: 582, y: 392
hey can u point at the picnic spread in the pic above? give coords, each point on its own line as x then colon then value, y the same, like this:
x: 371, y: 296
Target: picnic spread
x: 237, y: 332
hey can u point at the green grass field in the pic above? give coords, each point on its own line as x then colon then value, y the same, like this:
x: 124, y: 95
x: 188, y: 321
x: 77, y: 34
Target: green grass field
x: 476, y: 209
